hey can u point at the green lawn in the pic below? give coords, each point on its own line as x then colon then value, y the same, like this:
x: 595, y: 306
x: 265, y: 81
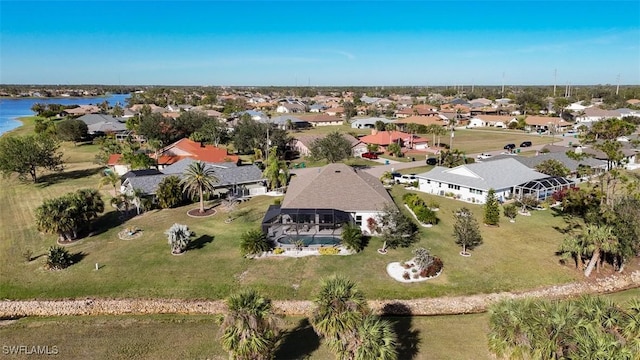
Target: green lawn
x: 477, y: 140
x: 513, y: 257
x: 196, y: 337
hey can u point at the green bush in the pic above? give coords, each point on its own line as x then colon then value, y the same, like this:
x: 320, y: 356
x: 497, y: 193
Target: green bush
x: 278, y: 251
x: 433, y: 269
x: 433, y: 204
x: 58, y: 258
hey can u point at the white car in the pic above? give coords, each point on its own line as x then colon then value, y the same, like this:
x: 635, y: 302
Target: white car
x: 406, y: 179
x: 483, y: 156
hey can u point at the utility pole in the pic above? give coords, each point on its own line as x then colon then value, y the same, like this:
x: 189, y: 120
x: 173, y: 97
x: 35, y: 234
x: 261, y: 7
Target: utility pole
x: 503, y: 84
x: 555, y: 78
x: 618, y: 86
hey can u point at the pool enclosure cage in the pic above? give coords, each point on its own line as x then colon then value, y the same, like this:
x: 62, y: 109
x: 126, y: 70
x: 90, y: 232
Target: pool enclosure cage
x: 278, y: 221
x: 542, y: 189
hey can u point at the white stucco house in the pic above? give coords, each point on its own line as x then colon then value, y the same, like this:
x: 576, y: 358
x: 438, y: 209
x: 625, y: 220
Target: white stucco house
x: 471, y: 182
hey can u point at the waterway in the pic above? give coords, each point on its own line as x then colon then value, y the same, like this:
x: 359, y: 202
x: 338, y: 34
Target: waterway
x: 11, y: 109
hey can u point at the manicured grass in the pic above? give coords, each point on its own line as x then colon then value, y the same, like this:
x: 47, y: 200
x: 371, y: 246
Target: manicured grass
x: 513, y: 257
x: 196, y: 337
x: 476, y: 140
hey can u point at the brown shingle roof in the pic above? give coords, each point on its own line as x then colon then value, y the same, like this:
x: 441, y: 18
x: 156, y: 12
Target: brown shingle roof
x: 336, y: 186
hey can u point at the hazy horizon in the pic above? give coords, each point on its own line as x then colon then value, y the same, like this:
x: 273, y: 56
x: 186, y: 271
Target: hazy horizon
x: 329, y: 43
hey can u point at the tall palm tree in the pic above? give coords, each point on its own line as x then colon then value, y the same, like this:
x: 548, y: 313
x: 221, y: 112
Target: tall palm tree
x: 340, y: 308
x: 110, y: 178
x: 249, y: 329
x: 276, y: 172
x: 54, y: 216
x: 199, y: 178
x: 88, y: 204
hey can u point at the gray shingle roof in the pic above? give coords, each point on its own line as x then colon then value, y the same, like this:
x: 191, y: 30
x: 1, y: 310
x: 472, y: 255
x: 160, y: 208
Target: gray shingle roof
x: 98, y: 118
x: 498, y: 174
x: 571, y: 164
x: 147, y: 184
x: 336, y: 186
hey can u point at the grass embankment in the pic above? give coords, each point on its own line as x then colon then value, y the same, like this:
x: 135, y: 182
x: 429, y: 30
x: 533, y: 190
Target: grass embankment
x: 196, y: 337
x: 513, y: 257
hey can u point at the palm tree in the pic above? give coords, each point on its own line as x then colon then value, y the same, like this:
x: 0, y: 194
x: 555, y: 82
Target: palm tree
x: 598, y: 240
x: 178, y: 236
x: 88, y: 204
x: 109, y: 178
x: 340, y: 308
x: 54, y: 216
x: 376, y: 340
x: 199, y: 178
x: 249, y: 329
x: 254, y: 242
x: 276, y: 172
x: 122, y: 202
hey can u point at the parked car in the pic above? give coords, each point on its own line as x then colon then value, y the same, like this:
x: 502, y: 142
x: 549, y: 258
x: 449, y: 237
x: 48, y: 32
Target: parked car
x: 525, y: 144
x: 370, y: 155
x: 406, y: 179
x: 510, y: 146
x: 483, y: 156
x: 432, y: 161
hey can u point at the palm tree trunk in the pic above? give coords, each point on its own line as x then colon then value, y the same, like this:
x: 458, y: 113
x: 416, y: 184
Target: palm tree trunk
x: 594, y: 259
x: 201, y: 201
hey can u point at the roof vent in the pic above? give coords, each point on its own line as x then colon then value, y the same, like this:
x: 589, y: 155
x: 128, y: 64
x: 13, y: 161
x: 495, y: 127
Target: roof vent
x: 337, y: 171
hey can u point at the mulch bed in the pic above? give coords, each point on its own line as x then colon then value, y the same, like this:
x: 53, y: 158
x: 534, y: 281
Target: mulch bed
x: 196, y: 212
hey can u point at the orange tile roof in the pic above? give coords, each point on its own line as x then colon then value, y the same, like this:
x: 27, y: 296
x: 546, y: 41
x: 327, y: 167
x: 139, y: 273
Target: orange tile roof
x: 114, y: 159
x: 198, y: 151
x: 385, y: 138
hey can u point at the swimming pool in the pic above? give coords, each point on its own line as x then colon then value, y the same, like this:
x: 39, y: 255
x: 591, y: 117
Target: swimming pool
x: 308, y: 240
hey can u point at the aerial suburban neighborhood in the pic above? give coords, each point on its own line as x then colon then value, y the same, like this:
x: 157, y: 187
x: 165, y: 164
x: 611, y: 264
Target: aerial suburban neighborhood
x: 361, y: 180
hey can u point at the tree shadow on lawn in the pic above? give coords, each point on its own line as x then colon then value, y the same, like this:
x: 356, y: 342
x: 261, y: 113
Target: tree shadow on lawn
x: 77, y: 257
x: 408, y: 339
x: 200, y: 242
x: 298, y: 343
x: 105, y: 222
x: 54, y: 178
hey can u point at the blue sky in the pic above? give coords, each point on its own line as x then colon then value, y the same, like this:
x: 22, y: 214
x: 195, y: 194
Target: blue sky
x: 320, y: 43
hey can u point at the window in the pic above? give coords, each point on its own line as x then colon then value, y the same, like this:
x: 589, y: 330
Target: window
x: 455, y: 187
x: 359, y: 220
x: 428, y: 181
x: 475, y: 191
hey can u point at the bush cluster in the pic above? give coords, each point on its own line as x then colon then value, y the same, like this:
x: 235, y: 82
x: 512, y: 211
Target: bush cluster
x: 424, y: 214
x: 330, y: 250
x: 433, y: 269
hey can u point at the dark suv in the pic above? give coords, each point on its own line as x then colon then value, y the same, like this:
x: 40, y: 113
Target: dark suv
x: 510, y: 146
x: 432, y: 161
x: 525, y: 144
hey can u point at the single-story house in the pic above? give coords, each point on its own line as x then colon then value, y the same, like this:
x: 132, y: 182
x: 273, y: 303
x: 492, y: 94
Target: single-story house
x: 101, y: 123
x: 476, y: 122
x: 596, y: 114
x: 598, y: 166
x: 82, y: 110
x: 471, y: 182
x: 499, y: 121
x: 282, y: 122
x: 321, y: 202
x: 322, y: 120
x: 187, y: 148
x: 289, y: 108
x: 545, y: 123
x: 302, y: 144
x: 115, y: 164
x: 368, y: 123
x: 628, y: 153
x: 245, y: 180
x: 384, y: 138
x: 421, y: 120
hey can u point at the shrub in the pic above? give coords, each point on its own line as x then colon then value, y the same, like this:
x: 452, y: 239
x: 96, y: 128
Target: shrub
x: 372, y: 225
x: 433, y: 204
x: 510, y: 211
x: 278, y: 251
x: 352, y: 237
x: 433, y: 269
x: 277, y: 201
x: 422, y: 258
x: 408, y: 197
x: 178, y: 236
x: 58, y: 258
x: 254, y: 242
x: 331, y: 250
x: 406, y: 275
